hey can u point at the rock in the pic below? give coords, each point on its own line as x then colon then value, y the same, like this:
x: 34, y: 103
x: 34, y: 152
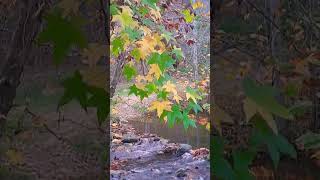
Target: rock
x: 186, y: 156
x: 116, y: 141
x: 130, y: 139
x: 181, y: 172
x: 117, y: 136
x: 183, y: 149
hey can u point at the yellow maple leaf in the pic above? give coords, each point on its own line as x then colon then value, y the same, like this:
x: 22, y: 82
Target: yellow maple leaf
x: 140, y: 78
x: 94, y: 52
x: 188, y: 95
x: 150, y: 43
x: 148, y: 78
x: 155, y: 14
x: 145, y: 30
x: 160, y: 106
x: 177, y: 98
x: 170, y: 87
x: 95, y: 76
x: 155, y: 70
x: 146, y: 46
x: 139, y: 82
x: 197, y: 5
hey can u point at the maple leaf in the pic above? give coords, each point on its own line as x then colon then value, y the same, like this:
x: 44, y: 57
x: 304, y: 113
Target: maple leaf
x: 136, y: 54
x: 163, y: 60
x: 178, y: 52
x: 94, y: 52
x: 99, y: 100
x: 250, y: 108
x: 167, y: 36
x: 125, y: 18
x: 156, y: 14
x: 117, y: 46
x: 187, y: 121
x: 74, y: 88
x: 146, y: 46
x: 95, y: 76
x: 197, y: 5
x: 192, y: 94
x: 132, y: 33
x: 170, y: 87
x: 155, y: 70
x: 138, y: 92
x: 177, y: 98
x: 188, y: 16
x: 63, y: 34
x: 129, y: 71
x: 174, y: 115
x: 151, y: 3
x: 160, y: 106
x: 145, y: 30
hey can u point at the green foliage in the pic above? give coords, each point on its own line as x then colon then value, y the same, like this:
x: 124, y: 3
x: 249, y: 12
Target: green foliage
x: 129, y: 72
x: 276, y: 144
x: 264, y: 96
x: 87, y: 96
x: 63, y: 34
x: 75, y: 88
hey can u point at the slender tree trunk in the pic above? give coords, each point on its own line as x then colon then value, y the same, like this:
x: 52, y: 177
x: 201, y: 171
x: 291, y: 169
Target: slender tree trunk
x: 117, y: 74
x: 28, y: 28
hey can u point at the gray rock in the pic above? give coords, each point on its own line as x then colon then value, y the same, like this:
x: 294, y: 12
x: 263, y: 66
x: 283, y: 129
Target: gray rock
x: 181, y: 172
x: 183, y: 149
x: 130, y: 139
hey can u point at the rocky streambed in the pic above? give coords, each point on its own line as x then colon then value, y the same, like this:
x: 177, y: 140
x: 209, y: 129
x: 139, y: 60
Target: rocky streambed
x: 148, y: 156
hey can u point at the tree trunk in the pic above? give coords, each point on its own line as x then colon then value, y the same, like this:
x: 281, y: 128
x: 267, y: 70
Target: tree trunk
x: 28, y: 28
x: 117, y: 74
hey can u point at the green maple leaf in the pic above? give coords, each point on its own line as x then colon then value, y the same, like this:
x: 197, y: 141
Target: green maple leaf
x: 187, y: 121
x: 138, y: 92
x: 74, y: 88
x: 151, y: 87
x: 195, y: 107
x: 162, y: 95
x: 136, y: 54
x: 143, y: 11
x: 129, y: 72
x: 63, y: 34
x: 174, y: 115
x: 100, y: 100
x: 163, y: 60
x: 167, y: 35
x: 276, y: 143
x: 133, y: 33
x: 178, y: 52
x: 264, y: 96
x: 117, y: 46
x: 151, y: 3
x: 113, y: 9
x: 148, y: 22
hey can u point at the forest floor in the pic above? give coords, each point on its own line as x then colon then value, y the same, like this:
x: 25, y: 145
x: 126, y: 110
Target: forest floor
x: 40, y: 144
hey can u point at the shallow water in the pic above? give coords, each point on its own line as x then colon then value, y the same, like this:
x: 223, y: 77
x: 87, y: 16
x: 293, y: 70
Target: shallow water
x: 196, y: 137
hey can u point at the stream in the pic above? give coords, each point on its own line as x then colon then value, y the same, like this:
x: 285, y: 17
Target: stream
x: 197, y: 137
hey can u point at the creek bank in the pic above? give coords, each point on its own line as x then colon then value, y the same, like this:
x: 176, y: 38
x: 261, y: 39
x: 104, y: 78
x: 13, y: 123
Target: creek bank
x: 148, y: 156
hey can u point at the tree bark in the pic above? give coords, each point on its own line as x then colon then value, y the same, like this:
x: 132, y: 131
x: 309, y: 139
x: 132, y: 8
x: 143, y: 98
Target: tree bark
x: 28, y: 28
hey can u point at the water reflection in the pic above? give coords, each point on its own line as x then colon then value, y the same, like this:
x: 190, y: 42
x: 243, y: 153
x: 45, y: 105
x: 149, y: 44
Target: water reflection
x: 196, y: 137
